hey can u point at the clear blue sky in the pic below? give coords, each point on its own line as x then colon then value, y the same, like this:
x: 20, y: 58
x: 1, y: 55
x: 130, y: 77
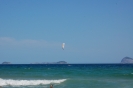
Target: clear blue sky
x: 94, y: 31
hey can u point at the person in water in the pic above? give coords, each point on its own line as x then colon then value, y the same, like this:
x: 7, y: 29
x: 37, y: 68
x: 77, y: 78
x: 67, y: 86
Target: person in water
x: 51, y: 86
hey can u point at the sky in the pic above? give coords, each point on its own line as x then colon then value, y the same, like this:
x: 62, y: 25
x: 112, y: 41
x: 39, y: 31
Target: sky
x: 94, y: 31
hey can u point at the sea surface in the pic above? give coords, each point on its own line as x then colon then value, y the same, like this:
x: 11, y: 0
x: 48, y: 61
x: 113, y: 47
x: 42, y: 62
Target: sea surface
x: 66, y: 76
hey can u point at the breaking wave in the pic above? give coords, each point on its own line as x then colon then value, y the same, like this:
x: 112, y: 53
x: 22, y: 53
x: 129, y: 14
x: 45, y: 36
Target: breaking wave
x: 11, y: 82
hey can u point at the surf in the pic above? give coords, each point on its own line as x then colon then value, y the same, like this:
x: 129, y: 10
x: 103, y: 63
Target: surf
x: 12, y: 82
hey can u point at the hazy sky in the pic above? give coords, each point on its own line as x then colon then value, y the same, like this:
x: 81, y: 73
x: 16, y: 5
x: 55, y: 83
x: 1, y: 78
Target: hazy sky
x: 94, y: 31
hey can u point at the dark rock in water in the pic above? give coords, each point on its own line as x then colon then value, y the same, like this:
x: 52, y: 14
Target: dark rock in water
x: 127, y: 60
x: 6, y: 63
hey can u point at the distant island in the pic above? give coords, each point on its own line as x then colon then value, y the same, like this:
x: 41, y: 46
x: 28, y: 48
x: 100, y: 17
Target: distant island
x: 59, y: 62
x: 6, y: 63
x: 127, y: 60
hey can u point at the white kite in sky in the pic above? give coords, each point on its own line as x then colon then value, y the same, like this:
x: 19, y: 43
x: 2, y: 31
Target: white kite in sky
x: 63, y: 46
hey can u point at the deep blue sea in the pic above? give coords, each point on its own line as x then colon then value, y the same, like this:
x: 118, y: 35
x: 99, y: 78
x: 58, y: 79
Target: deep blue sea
x: 66, y: 76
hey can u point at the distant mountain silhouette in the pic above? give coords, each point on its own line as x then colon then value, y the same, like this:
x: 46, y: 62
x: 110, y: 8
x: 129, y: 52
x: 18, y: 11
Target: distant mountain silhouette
x: 127, y: 60
x: 59, y: 62
x: 6, y: 63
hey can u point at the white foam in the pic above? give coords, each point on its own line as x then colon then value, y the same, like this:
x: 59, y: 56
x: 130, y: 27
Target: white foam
x: 11, y: 82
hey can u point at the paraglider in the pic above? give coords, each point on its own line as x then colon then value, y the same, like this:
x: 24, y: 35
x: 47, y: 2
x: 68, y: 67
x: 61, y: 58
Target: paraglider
x: 63, y: 46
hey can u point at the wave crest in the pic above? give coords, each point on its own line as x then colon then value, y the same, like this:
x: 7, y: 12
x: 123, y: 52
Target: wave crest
x: 11, y: 82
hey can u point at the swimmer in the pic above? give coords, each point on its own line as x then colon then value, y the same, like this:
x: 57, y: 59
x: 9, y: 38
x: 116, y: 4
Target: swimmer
x: 51, y: 86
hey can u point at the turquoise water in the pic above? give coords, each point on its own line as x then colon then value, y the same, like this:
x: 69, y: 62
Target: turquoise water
x: 66, y: 76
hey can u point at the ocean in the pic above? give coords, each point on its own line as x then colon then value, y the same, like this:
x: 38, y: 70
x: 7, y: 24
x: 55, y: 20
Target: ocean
x: 66, y: 76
